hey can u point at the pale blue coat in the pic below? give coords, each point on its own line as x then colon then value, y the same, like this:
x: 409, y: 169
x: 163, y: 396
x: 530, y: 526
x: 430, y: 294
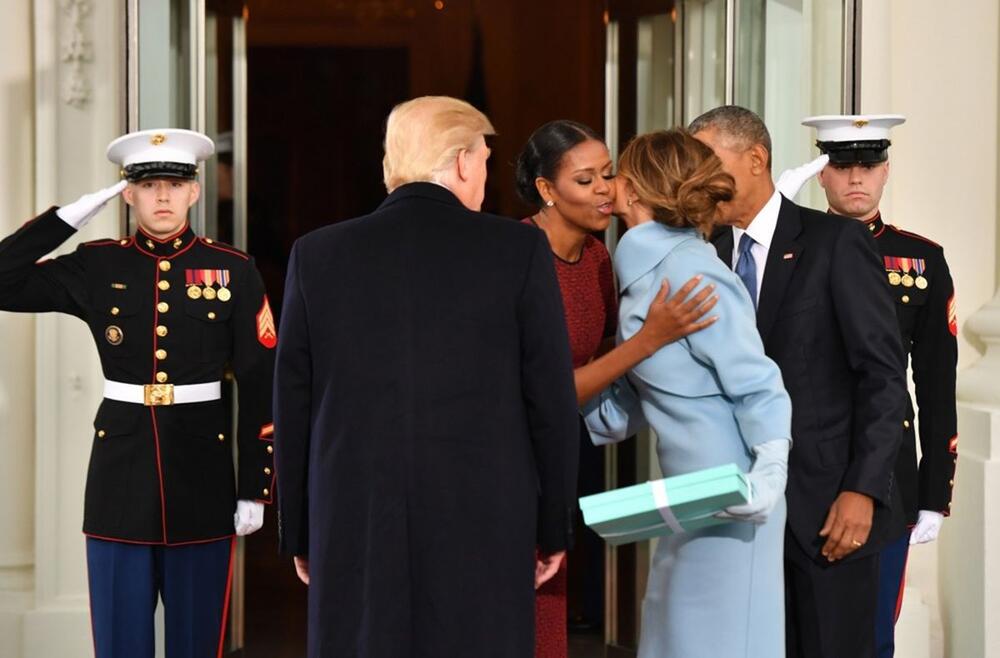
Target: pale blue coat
x: 711, y: 397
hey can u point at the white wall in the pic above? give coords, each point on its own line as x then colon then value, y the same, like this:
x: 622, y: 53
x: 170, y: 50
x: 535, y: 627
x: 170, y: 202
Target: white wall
x: 17, y: 389
x: 76, y: 115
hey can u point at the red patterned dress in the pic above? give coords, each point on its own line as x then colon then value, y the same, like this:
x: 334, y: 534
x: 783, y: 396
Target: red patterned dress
x: 591, y: 306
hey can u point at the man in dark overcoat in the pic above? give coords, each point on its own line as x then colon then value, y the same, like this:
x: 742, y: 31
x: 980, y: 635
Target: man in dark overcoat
x: 426, y: 424
x: 826, y: 317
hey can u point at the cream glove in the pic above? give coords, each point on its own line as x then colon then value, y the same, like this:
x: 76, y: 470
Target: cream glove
x: 249, y: 517
x: 791, y: 180
x: 81, y: 211
x: 927, y: 528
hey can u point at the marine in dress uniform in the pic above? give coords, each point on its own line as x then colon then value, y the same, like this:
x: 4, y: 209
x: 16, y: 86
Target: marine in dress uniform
x: 169, y: 313
x: 922, y: 289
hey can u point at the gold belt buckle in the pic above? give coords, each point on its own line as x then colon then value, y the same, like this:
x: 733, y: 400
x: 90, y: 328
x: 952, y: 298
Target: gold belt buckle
x: 157, y: 395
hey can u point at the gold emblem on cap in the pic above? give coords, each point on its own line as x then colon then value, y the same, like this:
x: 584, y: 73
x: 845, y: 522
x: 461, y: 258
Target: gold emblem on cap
x: 224, y: 295
x: 208, y: 292
x: 894, y: 278
x: 921, y: 282
x: 860, y: 123
x: 194, y: 292
x: 114, y: 335
x: 907, y: 281
x: 157, y: 139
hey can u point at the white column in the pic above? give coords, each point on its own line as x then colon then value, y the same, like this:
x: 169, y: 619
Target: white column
x: 17, y: 402
x: 77, y: 62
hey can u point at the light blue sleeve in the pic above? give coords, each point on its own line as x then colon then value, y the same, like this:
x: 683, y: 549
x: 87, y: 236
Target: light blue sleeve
x: 733, y: 349
x: 615, y: 414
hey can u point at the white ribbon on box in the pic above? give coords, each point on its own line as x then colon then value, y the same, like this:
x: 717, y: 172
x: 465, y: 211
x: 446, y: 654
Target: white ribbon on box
x: 662, y: 502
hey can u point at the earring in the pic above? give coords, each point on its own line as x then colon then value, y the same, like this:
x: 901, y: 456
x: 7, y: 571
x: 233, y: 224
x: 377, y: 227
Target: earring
x: 629, y: 202
x: 550, y: 203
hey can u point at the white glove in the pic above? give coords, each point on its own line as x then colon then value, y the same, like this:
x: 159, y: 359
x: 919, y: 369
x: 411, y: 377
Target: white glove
x: 791, y: 180
x: 81, y: 211
x: 927, y: 528
x: 249, y: 516
x: 768, y: 477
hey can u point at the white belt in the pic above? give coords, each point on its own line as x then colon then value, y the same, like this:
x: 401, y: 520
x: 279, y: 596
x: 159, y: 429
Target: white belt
x: 154, y: 395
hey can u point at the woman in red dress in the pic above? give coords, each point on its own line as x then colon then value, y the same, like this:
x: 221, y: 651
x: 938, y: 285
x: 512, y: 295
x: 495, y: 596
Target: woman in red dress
x: 565, y: 170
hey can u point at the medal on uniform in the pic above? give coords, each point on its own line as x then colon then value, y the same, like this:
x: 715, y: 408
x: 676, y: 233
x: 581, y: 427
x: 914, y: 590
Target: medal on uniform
x: 208, y: 292
x: 224, y: 295
x: 114, y: 335
x: 194, y: 292
x: 905, y: 265
x: 919, y: 266
x: 892, y: 267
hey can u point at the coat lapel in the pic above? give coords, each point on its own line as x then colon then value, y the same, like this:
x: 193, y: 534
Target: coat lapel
x: 723, y: 241
x: 782, y: 258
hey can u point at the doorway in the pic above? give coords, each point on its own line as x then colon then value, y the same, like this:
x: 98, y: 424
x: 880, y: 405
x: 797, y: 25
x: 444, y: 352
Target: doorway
x: 296, y: 94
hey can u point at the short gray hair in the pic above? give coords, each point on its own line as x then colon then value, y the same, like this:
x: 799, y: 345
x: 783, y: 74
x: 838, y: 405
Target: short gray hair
x: 738, y: 124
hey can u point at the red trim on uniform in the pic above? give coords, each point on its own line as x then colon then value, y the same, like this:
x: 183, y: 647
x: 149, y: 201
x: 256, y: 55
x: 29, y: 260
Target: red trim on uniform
x: 914, y: 235
x: 159, y: 472
x: 136, y: 542
x: 267, y: 430
x: 902, y: 586
x: 173, y: 237
x: 225, y: 605
x: 213, y: 245
x: 952, y: 316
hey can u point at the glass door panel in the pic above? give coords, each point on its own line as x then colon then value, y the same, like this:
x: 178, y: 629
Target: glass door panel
x: 704, y: 56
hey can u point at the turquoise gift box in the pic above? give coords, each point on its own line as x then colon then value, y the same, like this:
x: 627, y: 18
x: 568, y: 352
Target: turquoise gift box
x: 675, y: 504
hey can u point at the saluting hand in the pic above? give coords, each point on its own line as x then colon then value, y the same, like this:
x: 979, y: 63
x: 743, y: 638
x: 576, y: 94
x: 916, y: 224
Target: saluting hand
x: 81, y: 211
x: 847, y: 525
x: 791, y: 180
x: 671, y: 319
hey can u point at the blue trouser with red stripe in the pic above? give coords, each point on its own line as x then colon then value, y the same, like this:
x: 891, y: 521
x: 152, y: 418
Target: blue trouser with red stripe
x: 891, y: 572
x: 127, y: 579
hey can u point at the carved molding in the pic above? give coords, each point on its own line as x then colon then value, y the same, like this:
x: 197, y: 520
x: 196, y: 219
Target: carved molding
x: 76, y: 53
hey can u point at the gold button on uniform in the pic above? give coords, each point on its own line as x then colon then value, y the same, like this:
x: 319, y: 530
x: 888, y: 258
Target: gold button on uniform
x: 270, y: 449
x: 163, y: 285
x: 905, y: 299
x: 222, y: 437
x: 161, y: 331
x: 951, y: 483
x: 906, y: 423
x: 266, y: 492
x: 161, y: 354
x: 101, y: 433
x: 211, y: 315
x: 163, y: 307
x: 115, y: 310
x: 164, y: 265
x: 208, y: 240
x: 267, y: 470
x: 123, y: 241
x: 161, y: 377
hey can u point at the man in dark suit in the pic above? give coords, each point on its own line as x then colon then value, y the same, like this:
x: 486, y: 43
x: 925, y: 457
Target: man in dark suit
x: 826, y: 317
x: 426, y: 422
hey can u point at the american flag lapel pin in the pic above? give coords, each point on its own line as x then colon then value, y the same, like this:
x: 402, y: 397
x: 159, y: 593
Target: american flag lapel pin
x: 789, y: 256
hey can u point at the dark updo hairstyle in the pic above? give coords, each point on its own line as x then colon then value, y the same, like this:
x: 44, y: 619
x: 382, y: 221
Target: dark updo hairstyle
x: 679, y: 178
x: 542, y: 155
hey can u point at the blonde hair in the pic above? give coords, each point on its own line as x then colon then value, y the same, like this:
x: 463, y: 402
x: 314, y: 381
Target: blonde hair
x: 424, y: 135
x: 680, y: 179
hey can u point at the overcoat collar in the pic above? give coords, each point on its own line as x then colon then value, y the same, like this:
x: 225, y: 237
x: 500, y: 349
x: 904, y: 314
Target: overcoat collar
x: 643, y: 247
x: 431, y: 191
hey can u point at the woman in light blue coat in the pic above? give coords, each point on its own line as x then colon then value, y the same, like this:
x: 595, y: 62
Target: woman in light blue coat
x: 712, y: 398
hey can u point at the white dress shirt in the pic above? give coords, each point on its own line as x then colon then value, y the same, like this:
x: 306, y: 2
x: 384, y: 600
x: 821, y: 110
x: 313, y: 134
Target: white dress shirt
x: 761, y: 229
